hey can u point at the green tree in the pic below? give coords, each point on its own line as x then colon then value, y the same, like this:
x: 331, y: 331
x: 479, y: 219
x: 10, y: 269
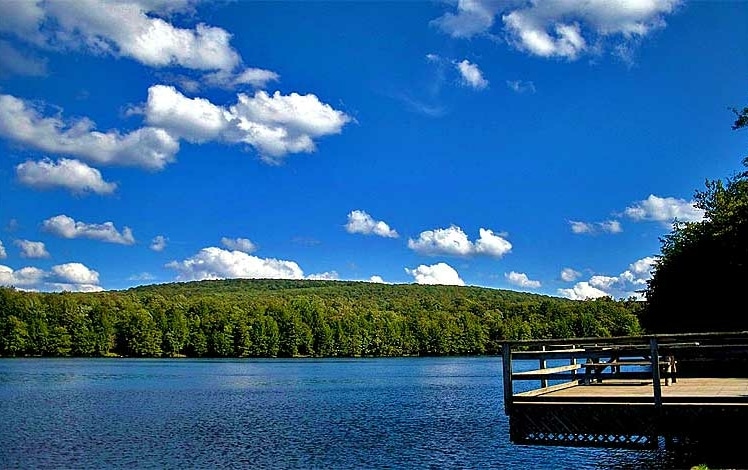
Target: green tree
x: 703, y: 261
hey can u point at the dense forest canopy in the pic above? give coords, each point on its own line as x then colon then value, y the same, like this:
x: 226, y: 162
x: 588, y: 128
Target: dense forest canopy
x: 285, y: 318
x: 699, y: 281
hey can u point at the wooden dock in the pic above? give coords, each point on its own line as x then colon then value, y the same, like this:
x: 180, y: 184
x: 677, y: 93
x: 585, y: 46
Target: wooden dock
x: 627, y: 391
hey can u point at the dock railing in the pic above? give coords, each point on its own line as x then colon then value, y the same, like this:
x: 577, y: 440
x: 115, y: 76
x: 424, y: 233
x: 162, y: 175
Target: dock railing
x: 628, y: 359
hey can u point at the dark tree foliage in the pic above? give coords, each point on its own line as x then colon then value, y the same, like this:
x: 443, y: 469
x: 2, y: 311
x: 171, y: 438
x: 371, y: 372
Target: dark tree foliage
x: 284, y: 318
x: 700, y: 279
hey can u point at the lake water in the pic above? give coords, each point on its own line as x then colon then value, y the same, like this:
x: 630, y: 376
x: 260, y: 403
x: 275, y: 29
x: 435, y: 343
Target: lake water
x: 409, y: 413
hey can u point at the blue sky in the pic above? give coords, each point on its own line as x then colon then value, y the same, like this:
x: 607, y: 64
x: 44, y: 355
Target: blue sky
x: 525, y: 145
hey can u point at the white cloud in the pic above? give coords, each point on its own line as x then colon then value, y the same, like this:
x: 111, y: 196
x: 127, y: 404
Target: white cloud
x: 569, y: 275
x: 73, y: 175
x: 240, y: 244
x: 562, y: 28
x: 3, y: 254
x: 144, y: 276
x: 377, y: 279
x: 74, y: 277
x: 520, y: 86
x: 24, y: 277
x: 258, y: 78
x: 453, y: 241
x: 146, y: 147
x: 159, y: 243
x: 664, y: 210
x: 440, y: 273
x: 582, y: 291
x: 325, y: 276
x: 608, y: 226
x: 217, y: 263
x: 361, y: 222
x: 472, y: 17
x: 521, y: 280
x: 274, y: 125
x: 75, y: 273
x: 31, y: 249
x: 67, y: 227
x: 471, y: 75
x: 629, y: 283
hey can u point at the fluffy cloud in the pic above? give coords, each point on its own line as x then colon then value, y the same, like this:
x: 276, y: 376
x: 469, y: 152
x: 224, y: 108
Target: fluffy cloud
x: 440, y: 273
x: 240, y: 244
x: 629, y: 283
x: 67, y: 227
x: 274, y: 125
x: 608, y: 226
x: 73, y: 175
x: 74, y: 277
x: 159, y: 243
x: 376, y: 279
x: 472, y: 17
x: 75, y: 273
x: 217, y: 263
x: 471, y: 75
x: 3, y: 254
x: 569, y: 275
x: 565, y: 28
x: 521, y: 280
x: 453, y: 241
x: 361, y: 222
x: 664, y: 210
x: 146, y: 147
x: 16, y: 62
x: 325, y: 276
x: 31, y: 249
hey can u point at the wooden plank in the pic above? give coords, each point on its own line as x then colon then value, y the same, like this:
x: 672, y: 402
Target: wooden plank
x: 552, y: 388
x: 506, y: 361
x: 549, y: 370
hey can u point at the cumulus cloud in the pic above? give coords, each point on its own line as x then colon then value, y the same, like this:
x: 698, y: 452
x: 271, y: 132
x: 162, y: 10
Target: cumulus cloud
x: 665, y: 210
x: 325, y: 276
x: 376, y: 279
x: 608, y: 226
x: 67, y: 227
x: 569, y: 275
x: 3, y: 254
x: 453, y: 241
x: 73, y: 277
x: 274, y: 125
x: 31, y: 249
x: 565, y: 29
x: 629, y: 283
x: 361, y: 222
x: 217, y: 263
x: 159, y: 243
x: 240, y: 244
x: 471, y: 75
x: 75, y: 273
x: 472, y: 17
x: 440, y: 273
x: 69, y: 174
x: 520, y: 86
x: 521, y: 280
x: 23, y: 123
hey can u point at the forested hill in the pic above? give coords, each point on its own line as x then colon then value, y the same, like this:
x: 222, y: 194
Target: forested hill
x: 287, y: 318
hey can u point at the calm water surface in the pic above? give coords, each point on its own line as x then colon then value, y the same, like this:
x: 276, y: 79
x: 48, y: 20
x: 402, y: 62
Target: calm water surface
x: 408, y: 413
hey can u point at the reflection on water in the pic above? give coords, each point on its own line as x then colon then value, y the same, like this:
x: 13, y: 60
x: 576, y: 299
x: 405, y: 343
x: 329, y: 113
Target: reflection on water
x: 349, y: 414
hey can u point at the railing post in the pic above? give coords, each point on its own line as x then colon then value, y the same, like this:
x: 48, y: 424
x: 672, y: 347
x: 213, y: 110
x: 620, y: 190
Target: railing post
x: 543, y: 364
x: 655, y: 357
x: 506, y: 359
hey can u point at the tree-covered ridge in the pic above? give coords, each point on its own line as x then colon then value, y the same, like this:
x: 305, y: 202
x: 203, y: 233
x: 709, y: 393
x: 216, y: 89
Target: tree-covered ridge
x: 279, y: 318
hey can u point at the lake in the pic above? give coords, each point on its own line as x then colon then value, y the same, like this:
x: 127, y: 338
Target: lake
x: 393, y: 413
